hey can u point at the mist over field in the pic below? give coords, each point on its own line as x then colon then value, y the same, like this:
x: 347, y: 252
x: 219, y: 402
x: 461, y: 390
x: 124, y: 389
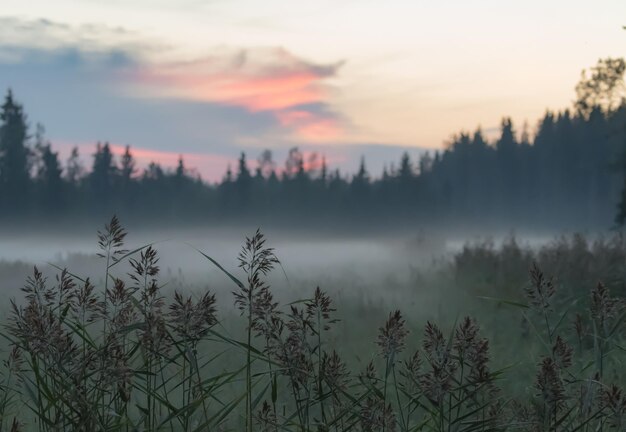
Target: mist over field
x: 320, y: 216
x: 302, y: 253
x: 370, y: 273
x: 307, y: 259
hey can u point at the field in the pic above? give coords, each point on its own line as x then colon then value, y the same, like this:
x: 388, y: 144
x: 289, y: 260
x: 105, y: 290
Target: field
x: 354, y: 335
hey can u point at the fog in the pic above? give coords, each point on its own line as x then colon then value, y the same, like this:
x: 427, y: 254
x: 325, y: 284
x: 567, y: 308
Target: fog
x: 301, y: 255
x: 298, y: 252
x: 351, y: 265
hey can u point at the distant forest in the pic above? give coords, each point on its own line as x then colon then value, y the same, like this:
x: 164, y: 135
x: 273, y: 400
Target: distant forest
x: 568, y: 174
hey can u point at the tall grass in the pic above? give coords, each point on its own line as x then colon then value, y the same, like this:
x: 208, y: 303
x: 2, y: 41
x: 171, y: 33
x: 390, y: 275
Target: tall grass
x: 124, y: 357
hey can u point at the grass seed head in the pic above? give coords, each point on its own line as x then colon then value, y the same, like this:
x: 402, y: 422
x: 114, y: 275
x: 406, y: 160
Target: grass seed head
x: 266, y: 419
x: 392, y: 336
x: 192, y: 320
x: 562, y: 353
x: 335, y: 372
x: 614, y: 402
x: 603, y: 307
x: 376, y: 416
x: 111, y: 240
x: 550, y: 385
x: 541, y: 290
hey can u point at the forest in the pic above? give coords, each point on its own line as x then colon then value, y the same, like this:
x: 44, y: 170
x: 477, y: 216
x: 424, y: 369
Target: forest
x: 565, y: 173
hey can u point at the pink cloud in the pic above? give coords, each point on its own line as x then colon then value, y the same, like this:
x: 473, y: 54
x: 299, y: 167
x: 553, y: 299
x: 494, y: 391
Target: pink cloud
x: 210, y: 167
x: 308, y: 126
x: 290, y: 118
x: 260, y: 80
x: 252, y: 93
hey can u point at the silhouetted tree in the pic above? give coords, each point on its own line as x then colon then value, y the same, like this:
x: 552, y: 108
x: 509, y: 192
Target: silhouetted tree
x: 14, y: 157
x: 604, y: 89
x: 266, y: 164
x: 48, y: 175
x: 74, y: 169
x: 360, y: 186
x: 243, y: 183
x: 620, y: 218
x: 128, y: 166
x: 556, y: 176
x: 406, y: 168
x: 181, y: 171
x: 102, y: 176
x: 153, y: 172
x: 293, y: 163
x: 127, y: 186
x: 323, y: 172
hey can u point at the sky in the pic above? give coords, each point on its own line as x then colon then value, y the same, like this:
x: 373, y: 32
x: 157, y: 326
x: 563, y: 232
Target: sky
x: 211, y: 78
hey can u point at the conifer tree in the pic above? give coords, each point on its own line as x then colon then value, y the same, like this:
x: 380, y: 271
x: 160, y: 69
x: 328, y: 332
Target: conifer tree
x: 14, y: 157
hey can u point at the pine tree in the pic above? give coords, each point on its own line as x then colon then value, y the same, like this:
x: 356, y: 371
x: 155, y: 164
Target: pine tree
x: 360, y: 186
x: 73, y: 168
x: 620, y: 218
x: 48, y: 174
x: 406, y: 169
x: 127, y: 170
x: 228, y: 178
x: 128, y: 167
x: 14, y: 157
x: 243, y: 183
x: 324, y: 172
x: 102, y: 176
x: 181, y: 171
x: 243, y: 174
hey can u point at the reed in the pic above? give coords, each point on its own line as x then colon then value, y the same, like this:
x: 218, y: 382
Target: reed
x: 124, y: 356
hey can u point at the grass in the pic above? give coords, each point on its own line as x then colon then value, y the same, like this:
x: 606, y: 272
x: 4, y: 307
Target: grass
x: 124, y: 355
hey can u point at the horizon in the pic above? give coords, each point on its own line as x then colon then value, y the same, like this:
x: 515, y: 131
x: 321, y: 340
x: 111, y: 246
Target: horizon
x: 209, y: 80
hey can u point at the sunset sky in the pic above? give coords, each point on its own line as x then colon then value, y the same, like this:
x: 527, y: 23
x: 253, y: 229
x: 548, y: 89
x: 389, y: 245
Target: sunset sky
x: 347, y: 78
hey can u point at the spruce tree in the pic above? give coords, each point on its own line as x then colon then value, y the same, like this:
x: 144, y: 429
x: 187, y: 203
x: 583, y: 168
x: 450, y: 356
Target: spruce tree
x: 14, y: 157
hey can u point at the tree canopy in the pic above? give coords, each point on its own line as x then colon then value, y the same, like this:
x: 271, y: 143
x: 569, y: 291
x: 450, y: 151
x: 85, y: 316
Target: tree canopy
x: 567, y: 172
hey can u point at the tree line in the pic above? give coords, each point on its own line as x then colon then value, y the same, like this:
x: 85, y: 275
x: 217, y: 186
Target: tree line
x: 568, y: 173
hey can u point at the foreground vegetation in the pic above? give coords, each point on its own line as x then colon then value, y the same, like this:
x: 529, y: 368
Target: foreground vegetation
x: 125, y: 356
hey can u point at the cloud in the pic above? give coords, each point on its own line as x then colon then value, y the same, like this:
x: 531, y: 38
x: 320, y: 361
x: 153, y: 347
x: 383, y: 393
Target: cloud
x: 82, y: 99
x: 260, y: 79
x: 209, y: 109
x: 44, y: 34
x: 254, y: 92
x: 112, y: 66
x: 309, y: 125
x: 68, y: 58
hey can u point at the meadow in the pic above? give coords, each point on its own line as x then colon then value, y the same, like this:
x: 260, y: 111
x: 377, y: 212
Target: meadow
x: 493, y: 336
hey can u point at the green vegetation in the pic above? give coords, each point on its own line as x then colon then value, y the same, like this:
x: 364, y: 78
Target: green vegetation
x: 125, y: 356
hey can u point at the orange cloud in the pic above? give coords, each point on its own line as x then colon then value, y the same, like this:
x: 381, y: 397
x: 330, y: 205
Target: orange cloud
x: 252, y: 93
x: 291, y: 118
x: 259, y: 79
x: 308, y: 126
